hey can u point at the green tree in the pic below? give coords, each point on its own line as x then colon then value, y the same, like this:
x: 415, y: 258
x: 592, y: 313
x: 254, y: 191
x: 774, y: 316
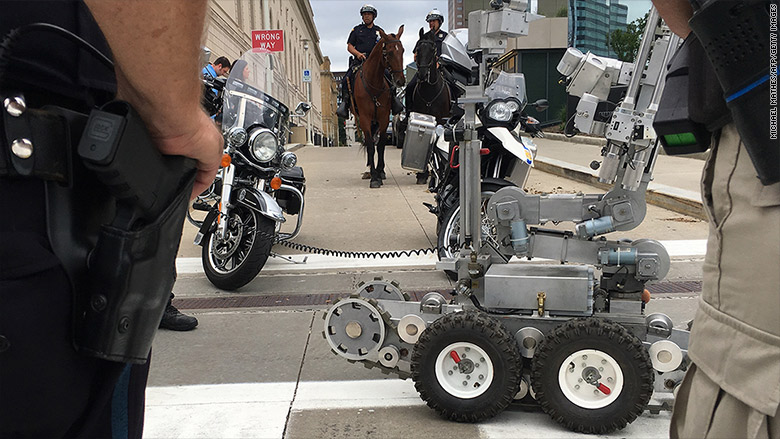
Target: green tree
x: 625, y: 43
x: 563, y: 12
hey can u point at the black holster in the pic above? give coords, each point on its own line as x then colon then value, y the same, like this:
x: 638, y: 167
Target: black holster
x: 114, y: 219
x: 132, y: 267
x: 131, y: 274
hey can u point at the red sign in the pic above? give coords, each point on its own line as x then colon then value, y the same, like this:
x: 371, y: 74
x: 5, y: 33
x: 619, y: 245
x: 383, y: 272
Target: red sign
x: 268, y: 40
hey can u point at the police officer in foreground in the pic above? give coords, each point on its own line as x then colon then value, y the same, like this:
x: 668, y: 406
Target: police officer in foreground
x: 732, y: 388
x: 47, y: 388
x: 360, y: 43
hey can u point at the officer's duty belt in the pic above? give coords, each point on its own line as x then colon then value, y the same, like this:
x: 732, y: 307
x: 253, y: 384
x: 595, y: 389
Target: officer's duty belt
x: 35, y: 142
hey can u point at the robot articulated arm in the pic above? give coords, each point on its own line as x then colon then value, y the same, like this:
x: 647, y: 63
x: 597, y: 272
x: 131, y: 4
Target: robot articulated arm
x: 627, y: 163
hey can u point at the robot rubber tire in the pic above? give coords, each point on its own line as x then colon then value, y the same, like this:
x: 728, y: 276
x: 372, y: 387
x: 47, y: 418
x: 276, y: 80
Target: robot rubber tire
x: 466, y: 366
x: 592, y: 375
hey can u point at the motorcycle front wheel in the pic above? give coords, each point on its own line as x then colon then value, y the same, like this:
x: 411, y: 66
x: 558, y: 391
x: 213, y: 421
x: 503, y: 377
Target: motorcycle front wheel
x: 449, y: 232
x: 233, y: 262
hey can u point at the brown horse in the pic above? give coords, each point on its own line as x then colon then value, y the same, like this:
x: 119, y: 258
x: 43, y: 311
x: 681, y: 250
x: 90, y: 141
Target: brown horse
x: 373, y: 97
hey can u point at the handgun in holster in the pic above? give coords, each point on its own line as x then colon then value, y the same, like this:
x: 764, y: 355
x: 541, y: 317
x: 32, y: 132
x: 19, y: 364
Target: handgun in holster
x: 131, y: 269
x: 721, y: 74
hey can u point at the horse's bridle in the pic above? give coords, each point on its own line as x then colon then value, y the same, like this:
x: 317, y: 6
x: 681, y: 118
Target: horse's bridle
x: 430, y: 65
x: 385, y: 88
x: 427, y: 77
x: 384, y: 56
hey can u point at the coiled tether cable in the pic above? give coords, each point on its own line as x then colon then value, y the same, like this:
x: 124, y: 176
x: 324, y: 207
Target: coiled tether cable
x: 357, y: 254
x: 310, y: 249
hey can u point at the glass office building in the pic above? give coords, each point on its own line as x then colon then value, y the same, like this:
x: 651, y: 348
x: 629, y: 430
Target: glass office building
x: 591, y: 22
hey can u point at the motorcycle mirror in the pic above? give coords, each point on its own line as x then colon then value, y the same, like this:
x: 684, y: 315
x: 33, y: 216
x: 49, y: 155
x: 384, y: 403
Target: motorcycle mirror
x: 541, y: 105
x: 302, y: 108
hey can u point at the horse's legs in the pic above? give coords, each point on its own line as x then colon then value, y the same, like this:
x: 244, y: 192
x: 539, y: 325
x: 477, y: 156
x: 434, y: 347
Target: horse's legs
x: 375, y: 180
x: 376, y: 177
x: 380, y: 149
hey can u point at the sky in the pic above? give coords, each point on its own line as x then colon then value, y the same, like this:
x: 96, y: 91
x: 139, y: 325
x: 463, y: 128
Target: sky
x: 636, y: 8
x: 336, y: 18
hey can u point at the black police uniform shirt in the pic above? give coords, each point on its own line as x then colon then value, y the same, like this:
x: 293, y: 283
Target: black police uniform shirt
x: 364, y: 38
x: 45, y: 61
x: 438, y: 38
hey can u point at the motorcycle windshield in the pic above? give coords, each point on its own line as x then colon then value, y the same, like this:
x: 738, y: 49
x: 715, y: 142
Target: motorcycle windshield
x: 255, y: 94
x: 508, y: 85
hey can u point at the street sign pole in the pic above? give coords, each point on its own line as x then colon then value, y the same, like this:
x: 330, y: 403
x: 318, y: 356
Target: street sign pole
x: 309, y: 136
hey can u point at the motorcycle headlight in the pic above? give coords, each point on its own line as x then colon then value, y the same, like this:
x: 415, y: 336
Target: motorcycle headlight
x: 502, y: 111
x: 289, y: 160
x: 262, y: 145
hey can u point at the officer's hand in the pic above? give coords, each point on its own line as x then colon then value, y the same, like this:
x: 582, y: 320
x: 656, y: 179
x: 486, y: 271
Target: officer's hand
x: 361, y: 56
x: 201, y: 140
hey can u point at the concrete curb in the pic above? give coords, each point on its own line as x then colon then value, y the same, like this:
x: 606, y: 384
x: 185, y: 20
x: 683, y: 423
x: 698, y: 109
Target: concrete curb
x: 674, y: 199
x: 597, y: 141
x: 293, y: 146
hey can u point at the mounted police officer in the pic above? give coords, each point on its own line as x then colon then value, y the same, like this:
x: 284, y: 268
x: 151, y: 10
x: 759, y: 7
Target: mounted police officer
x: 360, y: 43
x: 435, y: 20
x: 48, y: 82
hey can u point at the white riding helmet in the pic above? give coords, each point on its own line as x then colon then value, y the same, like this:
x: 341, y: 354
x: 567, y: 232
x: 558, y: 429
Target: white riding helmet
x: 368, y: 8
x: 435, y: 15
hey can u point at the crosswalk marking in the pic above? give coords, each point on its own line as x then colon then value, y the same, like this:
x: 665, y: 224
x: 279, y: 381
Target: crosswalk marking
x: 250, y: 410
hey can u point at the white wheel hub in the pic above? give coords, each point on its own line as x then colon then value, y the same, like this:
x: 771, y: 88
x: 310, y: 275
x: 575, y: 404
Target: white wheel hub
x: 464, y: 370
x: 590, y: 379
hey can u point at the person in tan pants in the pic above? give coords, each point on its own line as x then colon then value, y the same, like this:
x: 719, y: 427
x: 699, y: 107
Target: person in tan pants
x: 732, y: 389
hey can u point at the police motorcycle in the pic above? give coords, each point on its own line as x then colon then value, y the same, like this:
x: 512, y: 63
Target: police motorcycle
x: 259, y: 183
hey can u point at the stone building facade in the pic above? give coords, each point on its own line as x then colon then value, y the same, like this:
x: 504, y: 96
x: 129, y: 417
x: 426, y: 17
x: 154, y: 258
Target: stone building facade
x: 229, y: 26
x: 330, y: 93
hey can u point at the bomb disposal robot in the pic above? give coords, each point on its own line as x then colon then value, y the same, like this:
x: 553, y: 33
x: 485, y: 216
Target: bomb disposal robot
x: 569, y: 331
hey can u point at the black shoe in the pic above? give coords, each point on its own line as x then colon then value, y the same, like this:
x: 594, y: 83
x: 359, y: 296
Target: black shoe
x: 174, y: 320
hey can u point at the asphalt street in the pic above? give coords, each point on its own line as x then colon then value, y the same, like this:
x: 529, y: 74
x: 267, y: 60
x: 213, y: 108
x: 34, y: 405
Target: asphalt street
x: 257, y: 365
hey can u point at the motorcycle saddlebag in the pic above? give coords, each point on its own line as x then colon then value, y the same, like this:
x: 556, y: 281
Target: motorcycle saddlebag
x: 289, y: 201
x: 418, y: 143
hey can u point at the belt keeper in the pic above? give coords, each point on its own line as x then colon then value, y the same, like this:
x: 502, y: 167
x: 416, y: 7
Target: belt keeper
x: 36, y: 142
